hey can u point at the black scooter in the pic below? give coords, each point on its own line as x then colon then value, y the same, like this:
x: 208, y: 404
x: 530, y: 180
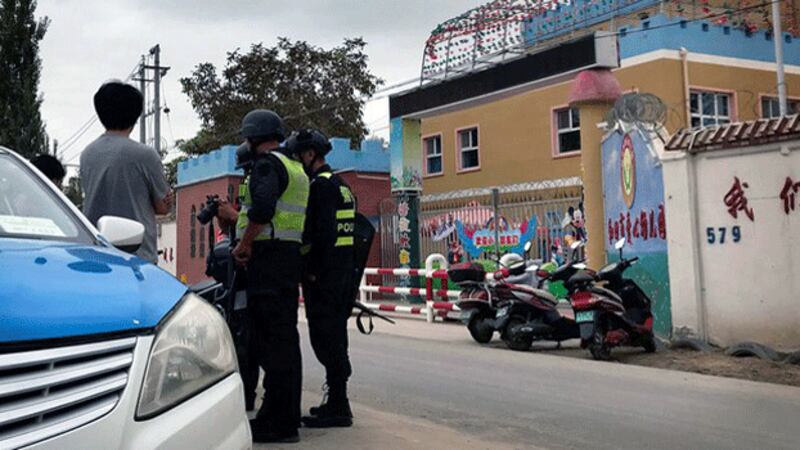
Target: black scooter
x: 612, y: 310
x: 532, y: 314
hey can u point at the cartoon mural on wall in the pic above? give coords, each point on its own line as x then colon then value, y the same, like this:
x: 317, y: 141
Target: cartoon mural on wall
x: 634, y: 209
x: 405, y: 155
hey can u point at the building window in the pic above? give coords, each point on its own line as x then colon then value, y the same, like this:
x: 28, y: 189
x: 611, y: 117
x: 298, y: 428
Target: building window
x: 468, y: 152
x: 193, y: 233
x: 433, y: 155
x: 770, y: 107
x: 202, y: 241
x: 709, y: 108
x: 568, y: 130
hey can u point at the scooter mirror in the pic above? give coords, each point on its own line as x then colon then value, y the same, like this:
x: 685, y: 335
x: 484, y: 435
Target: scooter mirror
x: 528, y: 246
x: 579, y: 266
x: 620, y: 244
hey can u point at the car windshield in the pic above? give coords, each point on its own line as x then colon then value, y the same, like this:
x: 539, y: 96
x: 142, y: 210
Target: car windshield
x: 29, y: 209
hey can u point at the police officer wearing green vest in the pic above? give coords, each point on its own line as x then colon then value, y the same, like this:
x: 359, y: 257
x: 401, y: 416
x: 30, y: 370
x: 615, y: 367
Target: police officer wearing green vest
x: 328, y: 271
x: 270, y: 230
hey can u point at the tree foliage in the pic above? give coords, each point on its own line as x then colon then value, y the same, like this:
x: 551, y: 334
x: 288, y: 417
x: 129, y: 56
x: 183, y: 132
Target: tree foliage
x: 74, y: 192
x: 309, y: 86
x: 21, y: 126
x: 171, y: 170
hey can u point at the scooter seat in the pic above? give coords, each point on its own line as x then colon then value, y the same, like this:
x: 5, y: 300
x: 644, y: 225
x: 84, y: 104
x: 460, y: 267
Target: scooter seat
x: 545, y: 295
x: 608, y: 293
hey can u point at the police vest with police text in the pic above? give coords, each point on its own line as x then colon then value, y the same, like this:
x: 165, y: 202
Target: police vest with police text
x: 345, y: 212
x: 290, y: 210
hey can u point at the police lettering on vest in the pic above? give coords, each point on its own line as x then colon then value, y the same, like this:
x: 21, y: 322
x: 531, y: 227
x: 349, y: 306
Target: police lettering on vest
x: 290, y: 211
x: 345, y: 212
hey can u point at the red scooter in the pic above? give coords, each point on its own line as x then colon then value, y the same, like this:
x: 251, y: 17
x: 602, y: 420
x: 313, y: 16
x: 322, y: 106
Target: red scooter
x: 615, y: 313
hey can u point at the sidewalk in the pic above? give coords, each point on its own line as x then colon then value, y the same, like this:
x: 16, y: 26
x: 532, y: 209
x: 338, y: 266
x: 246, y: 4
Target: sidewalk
x: 374, y: 429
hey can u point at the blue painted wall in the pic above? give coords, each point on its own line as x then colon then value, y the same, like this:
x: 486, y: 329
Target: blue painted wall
x: 371, y: 157
x: 643, y: 224
x: 702, y: 37
x: 661, y: 32
x: 215, y: 164
x: 576, y: 15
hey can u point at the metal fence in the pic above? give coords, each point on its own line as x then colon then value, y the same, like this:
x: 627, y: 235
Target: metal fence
x: 548, y: 201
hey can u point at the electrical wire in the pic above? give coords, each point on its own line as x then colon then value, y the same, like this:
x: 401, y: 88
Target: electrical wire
x: 83, y: 129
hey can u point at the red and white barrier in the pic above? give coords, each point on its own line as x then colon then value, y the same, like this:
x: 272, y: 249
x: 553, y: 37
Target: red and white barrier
x: 431, y: 307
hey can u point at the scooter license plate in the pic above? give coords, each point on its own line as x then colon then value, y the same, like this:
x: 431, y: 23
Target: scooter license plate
x: 501, y: 312
x: 584, y: 316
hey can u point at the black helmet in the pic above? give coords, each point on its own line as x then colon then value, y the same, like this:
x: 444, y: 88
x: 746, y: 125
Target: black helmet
x: 308, y: 139
x: 244, y: 157
x: 262, y: 123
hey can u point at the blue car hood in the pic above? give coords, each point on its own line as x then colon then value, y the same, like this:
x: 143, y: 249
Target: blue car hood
x: 59, y: 290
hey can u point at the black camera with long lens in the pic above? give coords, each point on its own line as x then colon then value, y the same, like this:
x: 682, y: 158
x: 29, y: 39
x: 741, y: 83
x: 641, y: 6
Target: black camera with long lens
x: 210, y: 209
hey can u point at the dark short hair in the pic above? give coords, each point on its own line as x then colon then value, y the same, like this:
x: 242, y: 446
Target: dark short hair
x: 49, y: 166
x: 118, y: 105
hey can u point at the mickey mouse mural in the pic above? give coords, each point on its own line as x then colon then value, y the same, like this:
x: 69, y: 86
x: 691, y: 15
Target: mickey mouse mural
x: 574, y: 225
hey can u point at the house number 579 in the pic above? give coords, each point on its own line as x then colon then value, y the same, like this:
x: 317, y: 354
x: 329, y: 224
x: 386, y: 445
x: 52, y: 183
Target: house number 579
x: 720, y: 235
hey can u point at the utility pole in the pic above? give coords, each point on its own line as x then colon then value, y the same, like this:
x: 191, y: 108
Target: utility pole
x: 777, y: 36
x: 143, y: 118
x: 158, y: 72
x: 156, y: 52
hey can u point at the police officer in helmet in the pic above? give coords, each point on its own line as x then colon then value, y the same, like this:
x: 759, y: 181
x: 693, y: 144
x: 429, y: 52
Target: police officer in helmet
x: 227, y: 218
x: 328, y: 272
x: 270, y: 234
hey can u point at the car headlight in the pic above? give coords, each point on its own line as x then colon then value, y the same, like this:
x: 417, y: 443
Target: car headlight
x: 192, y: 351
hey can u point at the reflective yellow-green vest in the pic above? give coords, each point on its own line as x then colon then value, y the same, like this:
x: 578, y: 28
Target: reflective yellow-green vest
x: 345, y: 212
x: 290, y: 211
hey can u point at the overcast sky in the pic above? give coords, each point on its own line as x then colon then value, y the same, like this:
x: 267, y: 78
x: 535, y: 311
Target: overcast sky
x: 91, y: 41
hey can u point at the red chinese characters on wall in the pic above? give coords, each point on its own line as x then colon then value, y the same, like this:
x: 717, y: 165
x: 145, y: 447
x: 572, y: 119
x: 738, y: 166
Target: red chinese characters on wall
x: 789, y: 194
x: 736, y: 200
x: 646, y: 225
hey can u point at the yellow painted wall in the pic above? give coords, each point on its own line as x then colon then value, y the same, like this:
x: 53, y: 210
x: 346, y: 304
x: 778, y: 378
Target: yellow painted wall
x: 516, y: 133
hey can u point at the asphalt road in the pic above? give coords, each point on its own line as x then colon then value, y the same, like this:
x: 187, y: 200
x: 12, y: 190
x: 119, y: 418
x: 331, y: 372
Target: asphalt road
x: 539, y: 400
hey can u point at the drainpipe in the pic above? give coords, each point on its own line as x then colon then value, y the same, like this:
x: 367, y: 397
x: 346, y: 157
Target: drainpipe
x: 685, y: 78
x: 694, y: 212
x: 696, y: 237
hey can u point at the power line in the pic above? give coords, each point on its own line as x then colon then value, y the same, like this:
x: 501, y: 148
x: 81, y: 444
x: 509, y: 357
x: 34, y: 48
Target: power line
x: 86, y: 127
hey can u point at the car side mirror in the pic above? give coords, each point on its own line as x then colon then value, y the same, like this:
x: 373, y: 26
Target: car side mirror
x: 124, y: 234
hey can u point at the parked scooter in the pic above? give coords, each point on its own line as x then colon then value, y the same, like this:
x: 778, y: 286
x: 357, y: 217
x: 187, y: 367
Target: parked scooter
x: 613, y: 314
x: 480, y: 297
x: 533, y: 314
x: 512, y: 301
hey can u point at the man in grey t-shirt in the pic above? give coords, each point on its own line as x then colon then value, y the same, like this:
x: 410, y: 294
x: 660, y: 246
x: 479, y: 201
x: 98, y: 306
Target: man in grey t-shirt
x: 119, y: 176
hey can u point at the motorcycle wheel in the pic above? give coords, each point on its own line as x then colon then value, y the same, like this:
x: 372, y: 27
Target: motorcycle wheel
x: 479, y: 331
x: 598, y: 348
x: 649, y: 344
x: 513, y: 340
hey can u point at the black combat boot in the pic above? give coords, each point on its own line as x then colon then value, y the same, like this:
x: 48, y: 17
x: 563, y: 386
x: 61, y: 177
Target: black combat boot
x: 335, y: 412
x: 315, y: 410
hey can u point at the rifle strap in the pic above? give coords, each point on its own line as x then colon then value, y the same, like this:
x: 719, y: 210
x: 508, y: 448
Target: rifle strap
x: 360, y: 325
